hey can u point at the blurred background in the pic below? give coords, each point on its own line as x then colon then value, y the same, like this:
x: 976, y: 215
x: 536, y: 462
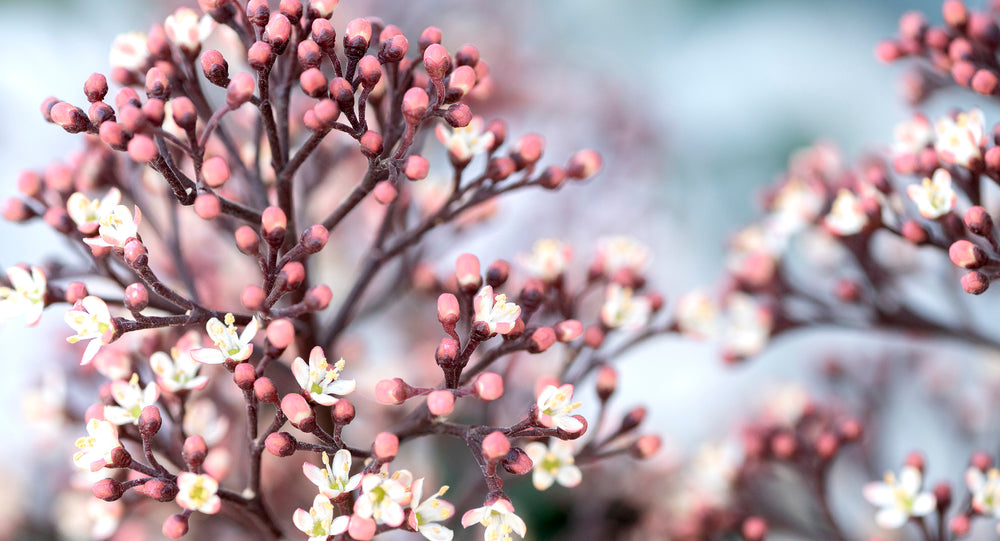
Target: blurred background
x: 695, y: 105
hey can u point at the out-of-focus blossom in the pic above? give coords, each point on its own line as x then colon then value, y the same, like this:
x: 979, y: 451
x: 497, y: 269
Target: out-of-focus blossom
x: 899, y: 499
x: 985, y: 490
x: 96, y: 448
x: 228, y: 345
x: 26, y: 296
x: 129, y: 51
x: 87, y: 213
x: 91, y: 320
x: 747, y: 325
x: 553, y: 463
x: 555, y: 408
x: 697, y: 315
x: 847, y: 216
x: 187, y: 30
x: 198, y: 492
x: 465, y: 143
x: 620, y: 253
x: 319, y: 379
x: 913, y: 135
x: 499, y: 520
x: 495, y: 311
x: 80, y: 516
x: 960, y: 140
x: 131, y: 399
x: 785, y: 404
x: 179, y: 371
x: 622, y: 309
x: 934, y: 197
x: 548, y: 259
x: 333, y: 479
x: 201, y: 417
x: 318, y: 522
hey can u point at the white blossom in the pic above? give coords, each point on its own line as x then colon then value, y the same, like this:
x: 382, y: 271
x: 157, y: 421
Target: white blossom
x: 495, y: 311
x: 465, y: 143
x: 960, y: 140
x: 96, y: 449
x: 899, y: 499
x: 179, y: 371
x: 333, y: 479
x: 318, y: 522
x: 934, y: 196
x: 498, y: 518
x: 131, y: 399
x: 198, y: 492
x: 553, y: 463
x: 427, y: 513
x: 320, y: 379
x: 555, y: 408
x: 26, y: 296
x: 228, y: 345
x: 91, y: 320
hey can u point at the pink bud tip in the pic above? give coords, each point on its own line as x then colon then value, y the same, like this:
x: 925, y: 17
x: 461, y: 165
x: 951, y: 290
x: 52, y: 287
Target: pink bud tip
x: 429, y: 36
x: 244, y: 375
x: 134, y: 252
x: 247, y: 240
x: 447, y: 309
x: 915, y: 459
x: 318, y: 297
x: 528, y: 149
x: 975, y: 283
x: 607, y: 381
x: 415, y: 103
x: 517, y: 462
x: 489, y: 386
x: 416, y: 168
x: 371, y: 145
x: 583, y: 164
x: 754, y: 529
x: 292, y: 275
x: 955, y: 13
x: 462, y: 80
x: 175, y: 526
x: 265, y: 391
x: 108, y: 490
x: 215, y: 171
x: 960, y: 525
x: 467, y: 272
x: 459, y: 115
x: 314, y: 238
x: 280, y: 444
x: 239, y: 90
x: 194, y: 450
x: 75, y: 291
x: 981, y: 460
x: 14, y: 210
x: 393, y: 391
x: 495, y: 445
x: 343, y: 411
x: 142, y: 149
x: 386, y: 445
x: 96, y: 87
x: 280, y: 333
x: 437, y: 62
x: 272, y: 219
x: 361, y: 528
x: 370, y: 70
x: 827, y: 445
x: 259, y: 55
x: 447, y: 350
x: 253, y: 297
x: 985, y: 82
x: 313, y: 83
x: 888, y: 51
x: 542, y: 339
x: 298, y: 411
x: 593, y: 337
x: 136, y: 297
x: 967, y: 255
x: 358, y: 33
x: 646, y: 446
x: 441, y: 402
x: 207, y: 206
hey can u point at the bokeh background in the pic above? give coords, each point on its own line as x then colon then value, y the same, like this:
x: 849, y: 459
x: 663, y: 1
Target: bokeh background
x: 696, y: 104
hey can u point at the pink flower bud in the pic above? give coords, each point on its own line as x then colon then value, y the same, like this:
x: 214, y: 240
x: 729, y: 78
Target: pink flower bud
x: 30, y: 184
x: 318, y: 297
x: 593, y: 337
x: 215, y: 171
x: 462, y: 80
x: 393, y: 391
x: 942, y: 493
x: 273, y: 220
x: 157, y: 84
x: 240, y: 90
x: 314, y: 238
x: 59, y: 219
x: 447, y: 310
x: 754, y: 529
x: 75, y: 291
x: 386, y: 445
x: 108, y: 490
x: 175, y: 526
x: 827, y: 445
x: 467, y: 273
x: 343, y: 411
x: 15, y: 210
x: 975, y: 283
x: 783, y: 445
x: 127, y: 96
x: 313, y: 83
x: 194, y: 450
x: 440, y: 402
x: 960, y: 526
x: 342, y: 92
x: 429, y: 36
x: 888, y: 51
x: 280, y: 444
x: 415, y: 103
x: 371, y: 146
x: 69, y: 117
x: 967, y: 255
x: 568, y: 330
x: 978, y: 220
x: 253, y: 297
x: 132, y: 118
x: 298, y: 411
x: 113, y: 135
x: 916, y: 460
x: 962, y: 72
x: 517, y: 462
x: 142, y: 149
x: 437, y: 62
x: 159, y: 490
x: 955, y: 13
x: 100, y: 112
x: 356, y: 37
x: 369, y: 70
x: 583, y: 164
x: 244, y: 375
x: 495, y: 445
x: 467, y: 55
x: 326, y: 113
x: 292, y: 275
x: 500, y: 168
x: 447, y: 351
x: 291, y: 9
x: 489, y: 386
x: 361, y: 528
x: 136, y: 297
x: 207, y: 206
x: 280, y: 333
x: 323, y: 34
x: 458, y: 115
x: 96, y: 87
x: 528, y: 150
x: 607, y: 381
x: 394, y: 49
x: 260, y: 55
x: 542, y: 339
x: 416, y: 168
x: 981, y: 460
x: 265, y: 391
x: 247, y: 240
x: 277, y: 32
x: 258, y: 12
x: 983, y: 30
x: 322, y: 8
x: 135, y: 253
x: 310, y: 55
x: 215, y: 67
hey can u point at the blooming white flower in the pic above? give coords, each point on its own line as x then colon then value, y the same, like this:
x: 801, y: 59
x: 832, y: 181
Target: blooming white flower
x: 498, y: 518
x: 87, y: 213
x: 198, y: 492
x: 548, y: 259
x: 553, y: 463
x: 26, y: 296
x: 913, y: 135
x: 116, y: 228
x: 495, y: 311
x: 747, y: 325
x: 91, y: 320
x: 96, y: 448
x: 201, y: 417
x: 622, y: 309
x: 318, y: 522
x: 621, y: 253
x: 131, y: 399
x: 555, y: 408
x: 128, y: 51
x: 426, y: 514
x: 847, y: 216
x: 985, y: 489
x: 934, y: 196
x: 785, y: 404
x: 697, y: 315
x: 382, y: 498
x: 179, y: 371
x: 465, y: 143
x: 899, y: 499
x: 319, y: 379
x: 333, y: 479
x: 186, y: 30
x: 961, y: 139
x: 228, y: 345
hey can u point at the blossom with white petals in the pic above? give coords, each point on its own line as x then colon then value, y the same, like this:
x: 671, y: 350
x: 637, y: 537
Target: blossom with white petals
x: 621, y: 253
x: 333, y: 479
x: 116, y: 228
x: 553, y: 463
x: 934, y: 196
x: 495, y: 311
x: 26, y: 296
x: 320, y: 379
x: 87, y: 213
x: 129, y: 52
x: 198, y: 492
x: 465, y: 143
x: 186, y: 30
x: 426, y: 514
x: 382, y: 498
x: 913, y: 135
x: 179, y: 371
x: 622, y: 309
x: 95, y: 449
x: 131, y: 399
x: 555, y: 408
x: 899, y: 499
x: 318, y: 522
x: 201, y: 417
x: 548, y: 259
x: 847, y: 216
x: 498, y: 518
x: 960, y: 140
x: 748, y: 325
x: 228, y: 345
x: 985, y: 489
x: 697, y: 315
x: 91, y: 320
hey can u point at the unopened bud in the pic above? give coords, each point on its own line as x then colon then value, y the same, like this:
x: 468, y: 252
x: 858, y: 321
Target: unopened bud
x: 583, y: 164
x: 215, y: 67
x: 280, y: 444
x: 489, y: 386
x: 394, y: 49
x: 495, y: 445
x: 281, y: 333
x: 253, y: 297
x: 979, y: 221
x: 361, y: 528
x: 371, y: 146
x: 517, y: 462
x: 458, y: 115
x: 415, y: 103
x: 277, y: 32
x: 369, y: 70
x: 244, y: 375
x: 142, y: 149
x: 568, y: 330
x: 967, y: 255
x: 356, y: 37
x: 827, y: 445
x: 447, y: 310
x: 313, y: 83
x: 96, y: 87
x: 542, y: 339
x: 175, y: 526
x: 265, y: 391
x: 343, y: 411
x: 754, y: 529
x: 239, y: 90
x: 981, y: 460
x: 318, y: 297
x: 607, y: 382
x: 160, y: 490
x: 393, y: 391
x: 416, y: 168
x: 136, y: 297
x: 298, y: 411
x: 309, y: 53
x: 437, y: 62
x: 273, y: 222
x: 960, y: 526
x: 70, y: 117
x: 975, y: 283
x: 916, y: 460
x: 108, y: 490
x: 194, y: 451
x: 149, y: 421
x: 247, y: 240
x: 632, y: 419
x: 441, y: 402
x: 528, y: 150
x: 207, y: 206
x: 386, y: 445
x: 468, y: 274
